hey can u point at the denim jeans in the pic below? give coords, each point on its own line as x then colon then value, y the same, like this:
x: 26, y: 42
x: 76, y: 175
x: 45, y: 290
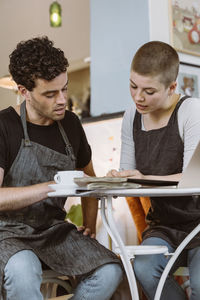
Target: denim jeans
x: 149, y: 268
x: 23, y: 277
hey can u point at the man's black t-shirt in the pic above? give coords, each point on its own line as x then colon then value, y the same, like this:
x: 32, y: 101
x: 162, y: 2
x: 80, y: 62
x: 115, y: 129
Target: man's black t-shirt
x: 11, y: 134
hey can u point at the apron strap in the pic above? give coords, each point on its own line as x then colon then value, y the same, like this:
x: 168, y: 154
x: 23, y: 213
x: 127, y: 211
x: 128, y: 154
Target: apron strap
x: 181, y: 101
x: 24, y: 124
x: 176, y: 109
x: 68, y: 147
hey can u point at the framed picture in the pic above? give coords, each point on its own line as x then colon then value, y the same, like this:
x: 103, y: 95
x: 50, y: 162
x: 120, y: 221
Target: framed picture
x: 185, y: 25
x: 188, y: 81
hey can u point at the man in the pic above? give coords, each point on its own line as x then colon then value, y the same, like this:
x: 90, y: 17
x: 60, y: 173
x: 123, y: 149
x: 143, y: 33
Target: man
x: 38, y: 139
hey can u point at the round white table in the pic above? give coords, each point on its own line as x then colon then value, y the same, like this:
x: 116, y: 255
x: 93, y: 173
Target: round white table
x: 110, y: 225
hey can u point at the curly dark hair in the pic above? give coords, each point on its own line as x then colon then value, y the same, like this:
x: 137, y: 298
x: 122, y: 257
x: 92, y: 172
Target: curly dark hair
x: 36, y: 58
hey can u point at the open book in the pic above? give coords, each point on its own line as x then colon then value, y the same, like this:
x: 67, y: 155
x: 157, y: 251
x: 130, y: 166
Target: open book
x: 119, y: 183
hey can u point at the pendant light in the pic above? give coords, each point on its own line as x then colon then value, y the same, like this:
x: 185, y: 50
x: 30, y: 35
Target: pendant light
x: 8, y: 83
x: 55, y: 14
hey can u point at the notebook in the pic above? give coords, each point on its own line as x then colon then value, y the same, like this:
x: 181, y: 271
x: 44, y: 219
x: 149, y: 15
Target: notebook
x: 105, y: 183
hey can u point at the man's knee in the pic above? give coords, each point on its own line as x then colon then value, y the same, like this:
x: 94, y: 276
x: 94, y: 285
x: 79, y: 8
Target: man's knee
x: 110, y: 273
x: 115, y: 272
x: 23, y: 268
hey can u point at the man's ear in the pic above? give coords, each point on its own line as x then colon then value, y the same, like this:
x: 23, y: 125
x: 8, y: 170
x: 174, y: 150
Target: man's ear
x: 172, y: 87
x: 23, y: 91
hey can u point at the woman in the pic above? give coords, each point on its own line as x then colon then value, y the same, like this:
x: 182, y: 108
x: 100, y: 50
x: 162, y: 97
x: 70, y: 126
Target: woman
x: 159, y: 135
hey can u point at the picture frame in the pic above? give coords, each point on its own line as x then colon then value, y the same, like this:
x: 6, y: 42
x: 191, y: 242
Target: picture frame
x: 188, y: 80
x: 185, y: 25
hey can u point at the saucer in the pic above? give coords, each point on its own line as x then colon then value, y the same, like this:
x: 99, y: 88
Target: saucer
x: 58, y: 187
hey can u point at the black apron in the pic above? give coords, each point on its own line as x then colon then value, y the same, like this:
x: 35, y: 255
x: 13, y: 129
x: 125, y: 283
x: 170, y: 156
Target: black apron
x: 41, y: 227
x: 160, y: 152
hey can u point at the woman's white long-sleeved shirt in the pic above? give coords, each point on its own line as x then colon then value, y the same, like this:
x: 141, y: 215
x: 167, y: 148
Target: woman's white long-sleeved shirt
x: 188, y: 125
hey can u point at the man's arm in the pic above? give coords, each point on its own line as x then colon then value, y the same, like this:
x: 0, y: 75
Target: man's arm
x: 13, y: 198
x: 89, y: 206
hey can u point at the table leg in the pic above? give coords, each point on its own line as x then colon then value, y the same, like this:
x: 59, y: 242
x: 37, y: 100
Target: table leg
x: 111, y: 228
x: 105, y: 221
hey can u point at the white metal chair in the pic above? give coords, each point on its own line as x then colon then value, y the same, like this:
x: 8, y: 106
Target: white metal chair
x: 132, y: 251
x: 51, y: 280
x: 128, y: 252
x: 184, y: 273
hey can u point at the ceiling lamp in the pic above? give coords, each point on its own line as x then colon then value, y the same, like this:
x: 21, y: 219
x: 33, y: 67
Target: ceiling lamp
x: 55, y: 14
x: 8, y: 83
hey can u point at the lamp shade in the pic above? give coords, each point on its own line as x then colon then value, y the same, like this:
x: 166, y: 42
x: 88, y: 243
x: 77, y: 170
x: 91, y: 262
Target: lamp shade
x: 8, y: 83
x: 55, y: 12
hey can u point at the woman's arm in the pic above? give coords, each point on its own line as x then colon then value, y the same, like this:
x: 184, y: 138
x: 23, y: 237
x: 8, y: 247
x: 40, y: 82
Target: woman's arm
x: 189, y: 127
x: 127, y: 156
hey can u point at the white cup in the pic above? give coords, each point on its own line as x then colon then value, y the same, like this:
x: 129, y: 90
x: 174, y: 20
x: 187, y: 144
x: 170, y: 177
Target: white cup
x: 67, y: 177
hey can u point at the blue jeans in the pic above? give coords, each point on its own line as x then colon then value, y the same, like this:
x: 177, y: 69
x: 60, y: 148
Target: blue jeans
x: 23, y: 277
x: 149, y: 268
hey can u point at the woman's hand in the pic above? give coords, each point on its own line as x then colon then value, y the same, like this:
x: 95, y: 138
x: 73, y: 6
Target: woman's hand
x: 113, y: 173
x: 125, y: 173
x: 138, y: 175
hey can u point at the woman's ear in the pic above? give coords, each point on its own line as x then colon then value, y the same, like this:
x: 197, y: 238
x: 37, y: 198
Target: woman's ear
x: 172, y: 88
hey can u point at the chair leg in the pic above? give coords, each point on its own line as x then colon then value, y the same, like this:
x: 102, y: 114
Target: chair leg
x: 47, y: 290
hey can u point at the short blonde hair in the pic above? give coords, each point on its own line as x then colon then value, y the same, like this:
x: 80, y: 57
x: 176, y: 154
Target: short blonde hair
x: 156, y: 59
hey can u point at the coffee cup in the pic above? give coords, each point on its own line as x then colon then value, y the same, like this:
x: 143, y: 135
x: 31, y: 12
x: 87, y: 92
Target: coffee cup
x: 67, y: 177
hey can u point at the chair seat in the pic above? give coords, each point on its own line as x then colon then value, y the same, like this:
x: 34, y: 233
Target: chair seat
x: 143, y: 250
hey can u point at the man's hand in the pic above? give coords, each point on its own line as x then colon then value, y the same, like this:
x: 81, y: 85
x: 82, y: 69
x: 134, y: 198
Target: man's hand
x: 86, y: 231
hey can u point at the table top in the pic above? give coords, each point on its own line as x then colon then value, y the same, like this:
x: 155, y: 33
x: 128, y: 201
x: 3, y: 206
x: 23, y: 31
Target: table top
x: 145, y: 192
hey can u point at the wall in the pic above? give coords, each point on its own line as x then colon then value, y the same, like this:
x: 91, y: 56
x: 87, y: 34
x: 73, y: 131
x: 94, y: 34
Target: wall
x: 118, y: 28
x: 24, y: 19
x: 106, y: 156
x: 79, y: 91
x: 160, y: 27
